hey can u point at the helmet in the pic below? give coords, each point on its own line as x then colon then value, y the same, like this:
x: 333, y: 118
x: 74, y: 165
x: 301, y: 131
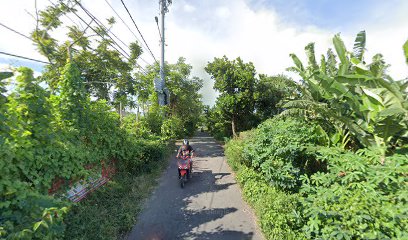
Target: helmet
x: 185, y: 142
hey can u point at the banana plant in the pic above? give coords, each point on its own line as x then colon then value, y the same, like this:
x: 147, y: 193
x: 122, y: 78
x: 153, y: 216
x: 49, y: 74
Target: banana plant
x: 360, y: 97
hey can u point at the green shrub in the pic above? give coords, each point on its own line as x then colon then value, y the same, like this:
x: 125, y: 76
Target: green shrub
x: 234, y: 150
x: 358, y: 198
x: 134, y: 127
x: 353, y: 196
x: 154, y: 120
x: 277, y: 150
x: 172, y: 128
x: 277, y: 211
x: 26, y: 214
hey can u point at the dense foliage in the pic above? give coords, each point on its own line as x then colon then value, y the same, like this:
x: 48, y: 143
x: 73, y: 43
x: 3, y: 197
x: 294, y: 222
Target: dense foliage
x: 333, y: 164
x: 51, y: 135
x: 245, y: 99
x: 185, y: 108
x: 46, y: 137
x: 277, y: 211
x: 278, y: 151
x: 353, y: 96
x: 353, y: 196
x: 357, y: 197
x: 235, y: 80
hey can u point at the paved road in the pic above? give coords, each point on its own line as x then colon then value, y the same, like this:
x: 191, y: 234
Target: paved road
x: 209, y: 207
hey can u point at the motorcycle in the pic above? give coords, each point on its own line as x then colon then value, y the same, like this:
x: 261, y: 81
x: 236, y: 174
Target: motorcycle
x: 185, y: 169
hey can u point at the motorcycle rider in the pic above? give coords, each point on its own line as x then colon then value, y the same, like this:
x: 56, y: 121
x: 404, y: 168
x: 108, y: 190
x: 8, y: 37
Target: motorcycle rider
x: 184, y: 150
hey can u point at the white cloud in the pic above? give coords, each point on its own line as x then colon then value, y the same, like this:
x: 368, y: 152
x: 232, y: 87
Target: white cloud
x: 223, y: 12
x: 189, y: 8
x: 262, y: 37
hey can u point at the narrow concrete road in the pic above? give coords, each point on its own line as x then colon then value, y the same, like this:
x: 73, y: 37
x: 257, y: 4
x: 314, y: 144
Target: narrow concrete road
x: 209, y: 207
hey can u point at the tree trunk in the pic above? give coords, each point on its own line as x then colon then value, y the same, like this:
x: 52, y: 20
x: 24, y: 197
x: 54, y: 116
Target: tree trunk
x: 234, y: 134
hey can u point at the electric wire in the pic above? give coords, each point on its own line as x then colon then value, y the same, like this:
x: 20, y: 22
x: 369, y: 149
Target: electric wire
x: 141, y: 44
x: 102, y: 27
x: 15, y: 31
x: 22, y: 57
x: 130, y: 15
x: 113, y: 46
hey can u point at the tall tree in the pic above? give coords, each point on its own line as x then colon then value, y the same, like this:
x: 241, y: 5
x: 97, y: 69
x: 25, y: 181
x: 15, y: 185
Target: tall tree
x: 101, y: 66
x: 185, y: 99
x: 235, y: 80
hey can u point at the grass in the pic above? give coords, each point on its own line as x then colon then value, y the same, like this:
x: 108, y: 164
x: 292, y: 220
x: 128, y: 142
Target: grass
x: 111, y: 211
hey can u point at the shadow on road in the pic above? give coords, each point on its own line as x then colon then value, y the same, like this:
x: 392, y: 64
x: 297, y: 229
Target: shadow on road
x: 190, y: 213
x: 222, y: 234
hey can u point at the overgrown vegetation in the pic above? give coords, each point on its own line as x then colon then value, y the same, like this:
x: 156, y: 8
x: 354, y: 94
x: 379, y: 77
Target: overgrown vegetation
x: 49, y: 136
x: 334, y: 163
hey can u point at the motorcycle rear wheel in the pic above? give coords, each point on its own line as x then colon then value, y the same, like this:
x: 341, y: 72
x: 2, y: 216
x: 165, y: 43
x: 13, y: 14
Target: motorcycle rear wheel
x: 182, y: 181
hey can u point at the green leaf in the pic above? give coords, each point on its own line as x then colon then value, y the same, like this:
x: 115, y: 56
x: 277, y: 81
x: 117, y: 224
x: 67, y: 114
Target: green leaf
x: 340, y: 48
x: 37, y: 225
x: 310, y: 53
x: 297, y: 62
x: 391, y: 112
x: 5, y: 75
x: 359, y: 45
x: 405, y: 47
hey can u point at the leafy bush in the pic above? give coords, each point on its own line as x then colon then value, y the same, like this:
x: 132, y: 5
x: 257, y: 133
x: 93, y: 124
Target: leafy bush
x: 357, y: 96
x: 352, y: 196
x: 172, y: 128
x: 358, y: 198
x: 234, y: 150
x: 276, y: 210
x: 277, y: 150
x: 26, y: 214
x: 134, y: 127
x: 218, y: 127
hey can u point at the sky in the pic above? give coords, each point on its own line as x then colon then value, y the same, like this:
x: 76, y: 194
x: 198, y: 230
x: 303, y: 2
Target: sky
x: 264, y: 32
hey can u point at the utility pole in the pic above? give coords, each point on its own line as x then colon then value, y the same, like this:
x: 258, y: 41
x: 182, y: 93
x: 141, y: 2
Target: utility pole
x: 163, y: 92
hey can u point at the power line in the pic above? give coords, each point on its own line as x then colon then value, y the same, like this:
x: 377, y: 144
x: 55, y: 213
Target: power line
x: 122, y: 21
x: 88, y: 26
x: 106, y: 32
x: 55, y: 5
x: 102, y: 26
x: 99, y: 34
x: 15, y: 31
x: 75, y: 23
x: 27, y: 58
x: 139, y: 31
x: 117, y: 14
